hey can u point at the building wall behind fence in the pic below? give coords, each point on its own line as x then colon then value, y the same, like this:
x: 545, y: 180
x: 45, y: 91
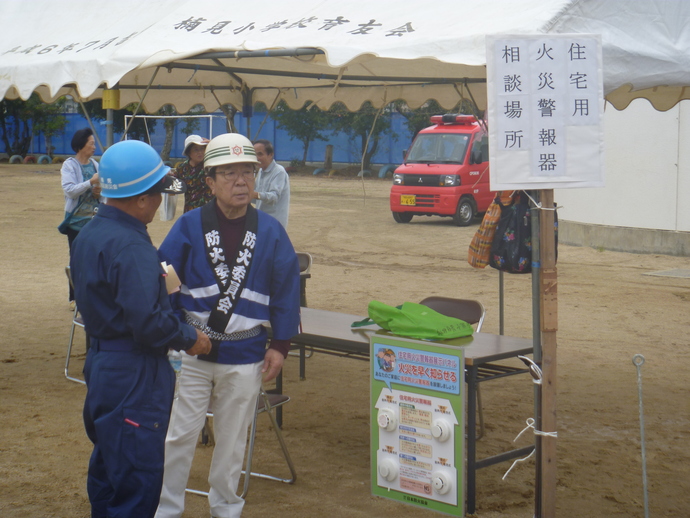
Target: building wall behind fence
x: 390, y: 150
x: 647, y: 172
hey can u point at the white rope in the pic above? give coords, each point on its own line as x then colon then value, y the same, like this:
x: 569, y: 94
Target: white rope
x: 530, y: 424
x: 515, y: 462
x: 539, y: 205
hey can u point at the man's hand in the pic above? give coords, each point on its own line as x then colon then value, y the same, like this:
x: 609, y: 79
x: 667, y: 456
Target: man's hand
x: 273, y: 362
x: 201, y: 346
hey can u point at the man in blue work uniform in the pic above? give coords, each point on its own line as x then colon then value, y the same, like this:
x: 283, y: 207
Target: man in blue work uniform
x: 120, y: 290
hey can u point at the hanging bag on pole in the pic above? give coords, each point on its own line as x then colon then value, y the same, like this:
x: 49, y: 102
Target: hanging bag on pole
x: 480, y: 247
x: 511, y: 250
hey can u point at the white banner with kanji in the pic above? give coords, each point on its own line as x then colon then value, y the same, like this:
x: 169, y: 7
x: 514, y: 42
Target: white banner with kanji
x: 545, y: 111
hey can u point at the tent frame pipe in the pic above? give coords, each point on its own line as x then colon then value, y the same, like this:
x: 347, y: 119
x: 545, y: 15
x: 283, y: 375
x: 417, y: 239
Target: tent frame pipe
x: 268, y: 53
x: 238, y: 87
x: 318, y: 75
x: 141, y: 102
x: 229, y: 72
x: 88, y: 119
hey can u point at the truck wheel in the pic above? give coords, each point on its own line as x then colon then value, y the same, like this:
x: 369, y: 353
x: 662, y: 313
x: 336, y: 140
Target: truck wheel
x: 402, y: 217
x: 465, y: 212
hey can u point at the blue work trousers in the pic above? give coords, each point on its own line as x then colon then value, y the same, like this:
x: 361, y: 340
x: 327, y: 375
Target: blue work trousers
x: 126, y: 415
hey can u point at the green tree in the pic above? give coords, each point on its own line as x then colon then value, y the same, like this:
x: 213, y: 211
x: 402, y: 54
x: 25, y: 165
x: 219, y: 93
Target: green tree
x: 169, y: 126
x: 48, y: 119
x: 229, y: 110
x: 189, y: 126
x: 15, y: 126
x: 21, y: 120
x: 366, y: 126
x: 417, y: 120
x: 138, y: 129
x: 306, y: 124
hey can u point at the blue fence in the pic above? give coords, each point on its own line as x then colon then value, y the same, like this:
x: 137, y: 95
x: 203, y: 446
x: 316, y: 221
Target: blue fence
x: 286, y: 149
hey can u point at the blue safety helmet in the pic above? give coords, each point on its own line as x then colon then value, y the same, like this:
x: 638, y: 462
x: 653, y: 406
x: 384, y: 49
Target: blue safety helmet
x: 133, y: 167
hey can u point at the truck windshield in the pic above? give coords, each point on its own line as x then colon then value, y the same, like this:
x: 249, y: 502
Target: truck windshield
x: 445, y: 148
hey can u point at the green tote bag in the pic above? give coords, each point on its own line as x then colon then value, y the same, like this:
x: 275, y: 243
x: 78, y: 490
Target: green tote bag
x: 415, y: 321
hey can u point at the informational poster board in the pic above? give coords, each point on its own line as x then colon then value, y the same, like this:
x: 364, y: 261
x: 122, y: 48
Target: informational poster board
x: 418, y: 423
x: 545, y: 111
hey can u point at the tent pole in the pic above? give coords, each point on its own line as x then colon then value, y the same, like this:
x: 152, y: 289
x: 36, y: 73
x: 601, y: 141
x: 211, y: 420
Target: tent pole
x: 247, y: 110
x: 475, y: 109
x: 549, y: 328
x: 109, y: 137
x: 88, y: 119
x: 366, y: 146
x: 141, y: 101
x: 268, y: 112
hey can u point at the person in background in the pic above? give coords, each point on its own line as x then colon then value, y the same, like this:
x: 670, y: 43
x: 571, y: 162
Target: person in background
x: 191, y: 172
x: 238, y: 271
x: 79, y: 176
x: 272, y: 190
x: 120, y: 288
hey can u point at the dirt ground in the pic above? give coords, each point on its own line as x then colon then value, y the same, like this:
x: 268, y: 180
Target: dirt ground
x: 609, y: 310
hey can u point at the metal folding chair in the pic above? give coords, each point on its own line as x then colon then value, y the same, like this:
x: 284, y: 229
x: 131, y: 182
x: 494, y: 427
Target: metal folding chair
x: 305, y: 262
x: 266, y: 402
x: 77, y: 321
x: 472, y: 312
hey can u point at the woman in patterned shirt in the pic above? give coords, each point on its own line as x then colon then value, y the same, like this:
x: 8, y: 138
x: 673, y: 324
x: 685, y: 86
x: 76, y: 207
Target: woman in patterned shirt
x: 191, y: 172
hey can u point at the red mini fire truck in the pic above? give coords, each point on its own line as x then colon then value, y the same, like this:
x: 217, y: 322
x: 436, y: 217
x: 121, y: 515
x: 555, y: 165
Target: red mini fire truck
x: 445, y: 172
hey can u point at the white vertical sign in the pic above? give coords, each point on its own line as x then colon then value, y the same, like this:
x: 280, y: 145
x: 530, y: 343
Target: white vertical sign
x: 545, y: 111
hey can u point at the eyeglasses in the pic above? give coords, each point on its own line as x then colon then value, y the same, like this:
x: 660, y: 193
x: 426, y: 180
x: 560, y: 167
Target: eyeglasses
x: 233, y: 176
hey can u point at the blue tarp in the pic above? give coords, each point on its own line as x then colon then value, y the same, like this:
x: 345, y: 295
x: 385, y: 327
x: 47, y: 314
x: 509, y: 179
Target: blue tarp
x: 344, y: 151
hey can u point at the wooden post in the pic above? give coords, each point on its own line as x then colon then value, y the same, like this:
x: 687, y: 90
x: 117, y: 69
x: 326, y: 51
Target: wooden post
x: 328, y: 161
x: 536, y: 341
x: 549, y: 329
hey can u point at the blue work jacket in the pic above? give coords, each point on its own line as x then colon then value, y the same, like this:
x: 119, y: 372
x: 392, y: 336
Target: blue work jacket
x: 119, y: 285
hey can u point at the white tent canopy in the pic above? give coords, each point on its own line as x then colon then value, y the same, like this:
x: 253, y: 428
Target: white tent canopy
x: 226, y: 52
x: 219, y: 52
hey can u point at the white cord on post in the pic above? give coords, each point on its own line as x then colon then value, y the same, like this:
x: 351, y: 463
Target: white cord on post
x: 538, y: 205
x: 530, y: 424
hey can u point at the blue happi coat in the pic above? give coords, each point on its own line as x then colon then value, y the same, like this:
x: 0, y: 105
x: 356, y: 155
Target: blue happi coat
x: 270, y: 295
